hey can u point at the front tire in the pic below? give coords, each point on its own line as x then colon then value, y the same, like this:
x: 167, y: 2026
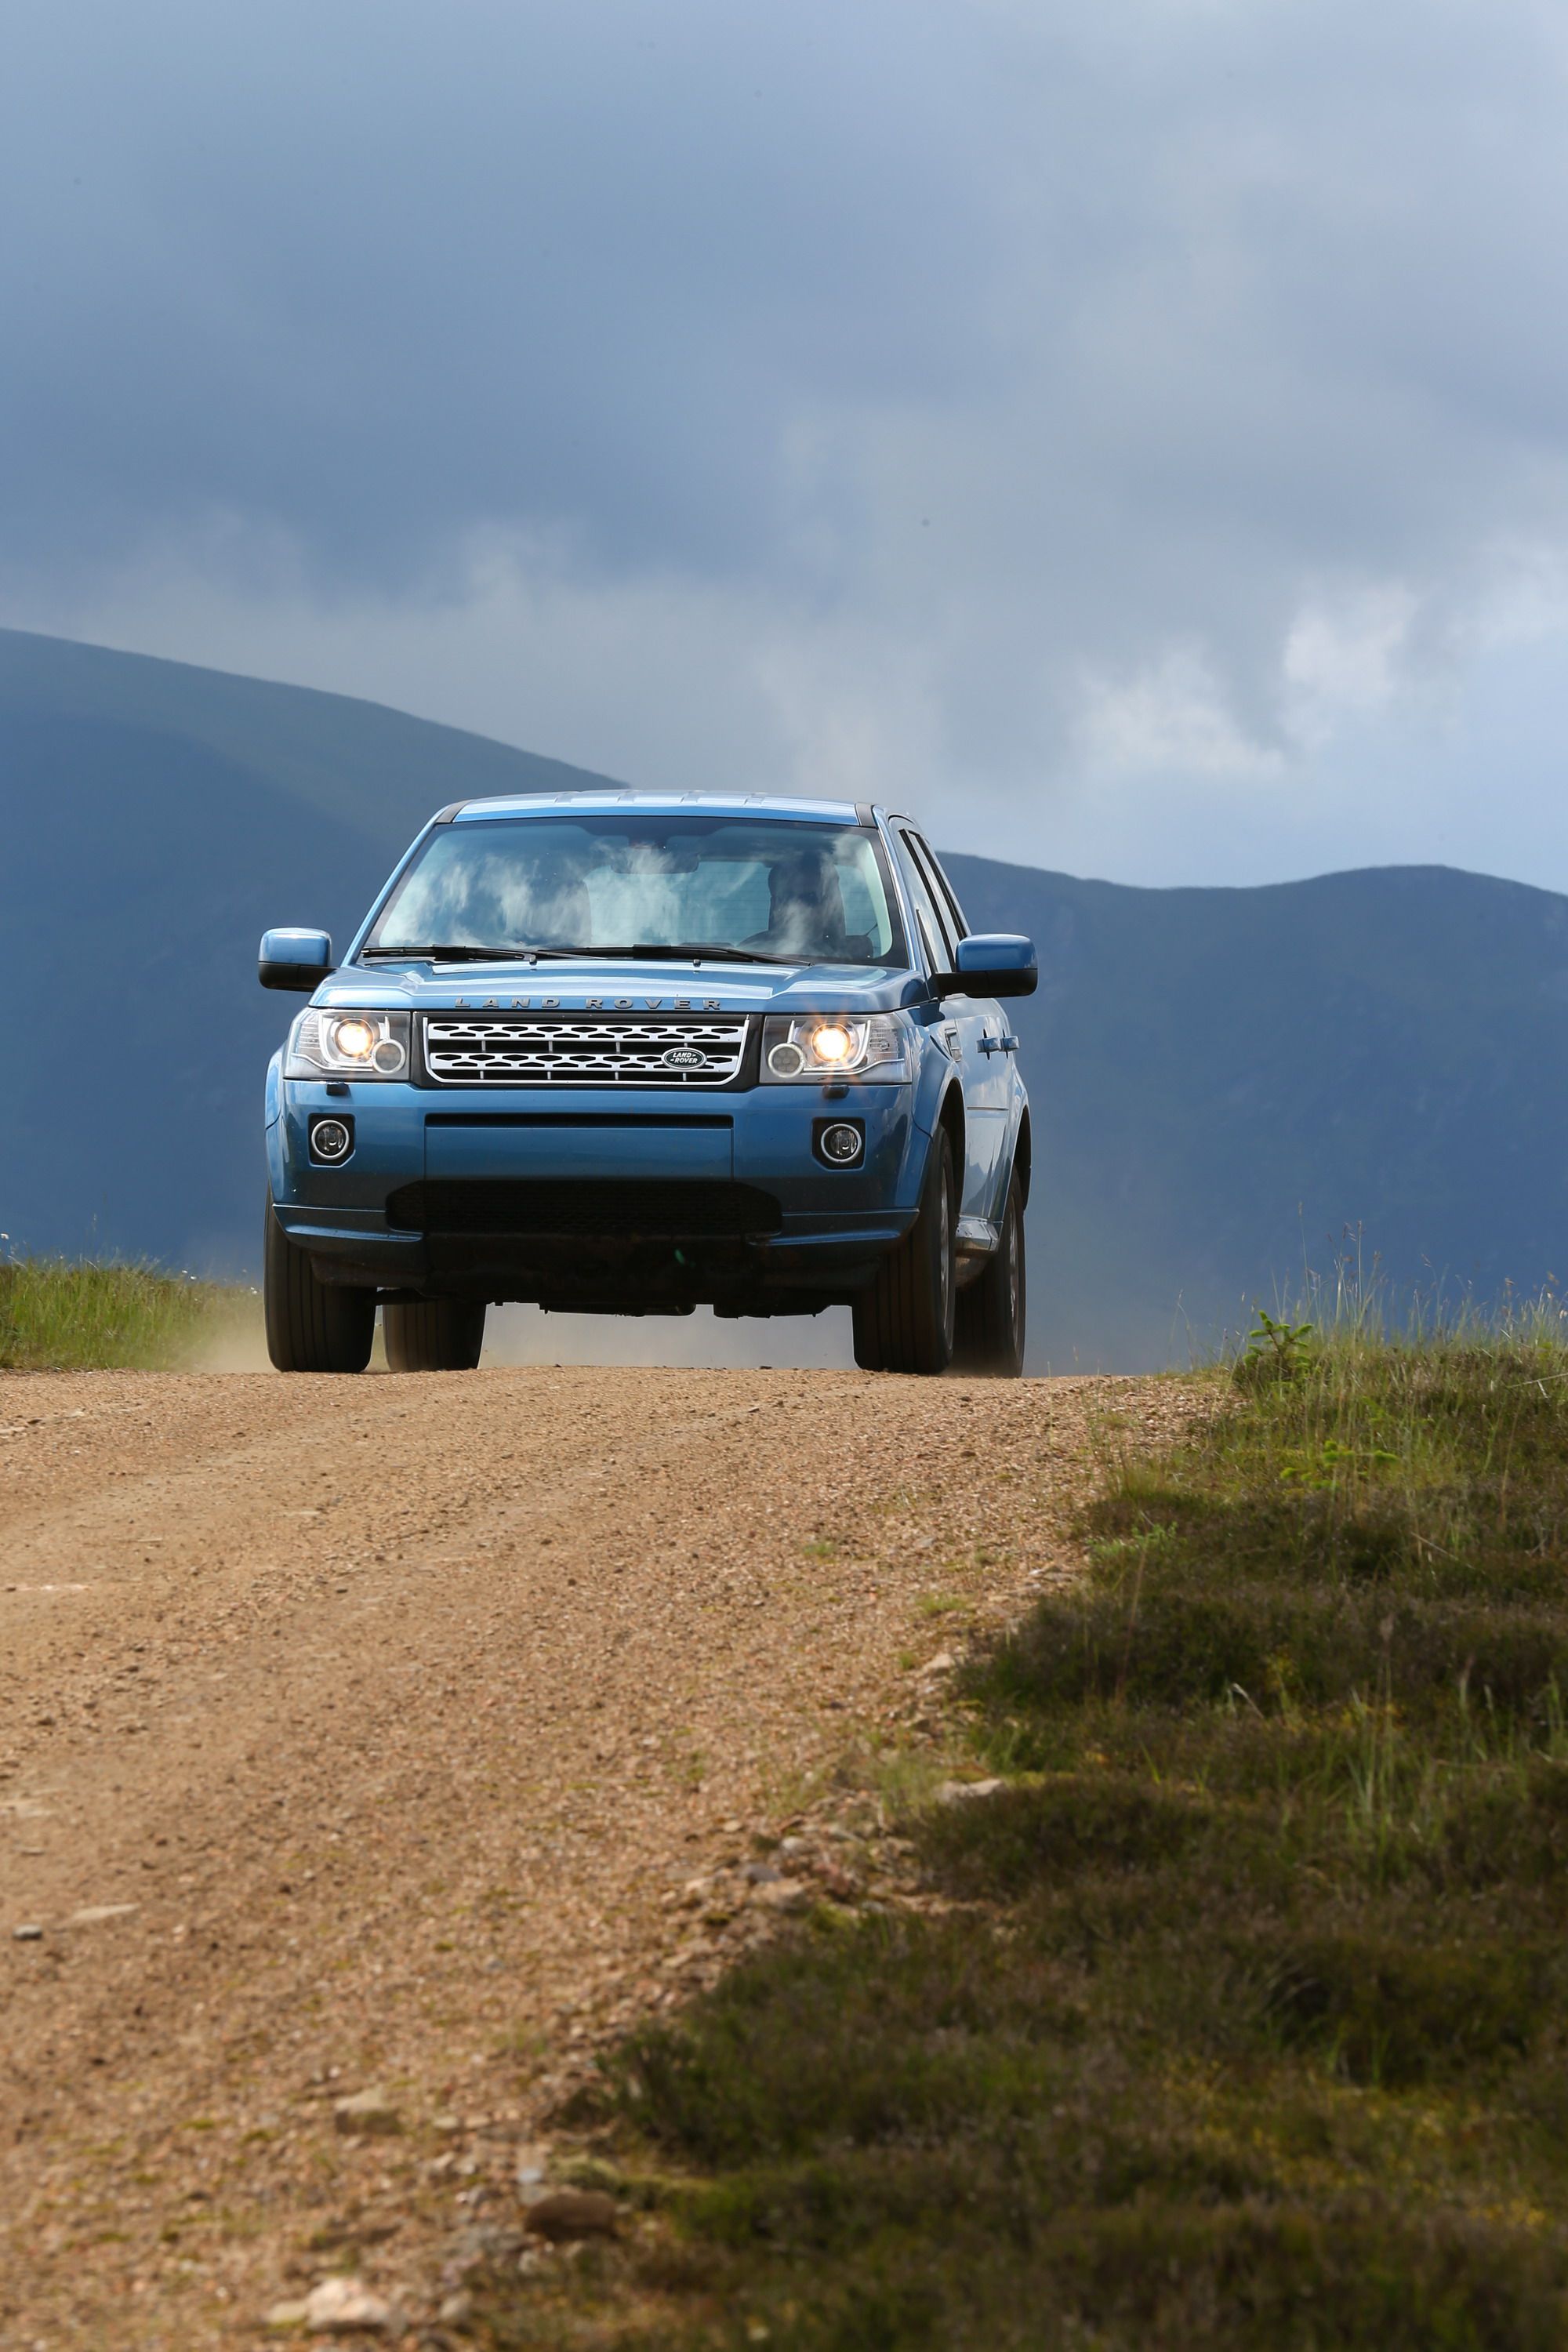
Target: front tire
x: 989, y: 1340
x: 904, y: 1320
x: 433, y: 1335
x: 311, y: 1327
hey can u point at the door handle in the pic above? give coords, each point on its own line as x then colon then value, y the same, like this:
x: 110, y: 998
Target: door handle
x: 989, y: 1045
x: 1009, y: 1044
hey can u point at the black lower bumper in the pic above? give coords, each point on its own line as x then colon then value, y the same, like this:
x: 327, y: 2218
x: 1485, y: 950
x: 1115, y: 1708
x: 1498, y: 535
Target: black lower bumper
x: 643, y: 1247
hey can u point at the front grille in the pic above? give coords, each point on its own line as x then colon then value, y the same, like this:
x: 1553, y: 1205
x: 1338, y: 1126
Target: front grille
x: 473, y: 1052
x: 598, y: 1208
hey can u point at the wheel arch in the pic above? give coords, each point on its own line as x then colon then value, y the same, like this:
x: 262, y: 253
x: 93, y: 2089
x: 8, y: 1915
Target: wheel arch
x: 1022, y: 1158
x: 950, y: 1121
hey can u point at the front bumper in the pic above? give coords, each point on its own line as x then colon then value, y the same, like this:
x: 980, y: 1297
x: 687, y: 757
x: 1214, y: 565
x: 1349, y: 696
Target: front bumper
x: 633, y: 1199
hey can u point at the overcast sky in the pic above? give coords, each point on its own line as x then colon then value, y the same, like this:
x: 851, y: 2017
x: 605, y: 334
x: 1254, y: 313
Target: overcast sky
x: 1134, y: 435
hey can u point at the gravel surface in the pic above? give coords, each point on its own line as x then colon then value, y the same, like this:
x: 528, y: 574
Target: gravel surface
x: 368, y: 1749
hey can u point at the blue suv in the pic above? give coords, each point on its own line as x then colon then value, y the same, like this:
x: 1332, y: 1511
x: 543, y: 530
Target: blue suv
x: 643, y: 1052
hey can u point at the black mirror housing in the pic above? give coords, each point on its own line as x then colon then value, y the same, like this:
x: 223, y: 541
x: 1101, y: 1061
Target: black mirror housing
x: 297, y: 959
x: 992, y: 963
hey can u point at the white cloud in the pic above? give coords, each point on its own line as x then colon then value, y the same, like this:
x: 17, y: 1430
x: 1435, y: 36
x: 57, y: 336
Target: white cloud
x: 1172, y: 716
x: 1345, y: 656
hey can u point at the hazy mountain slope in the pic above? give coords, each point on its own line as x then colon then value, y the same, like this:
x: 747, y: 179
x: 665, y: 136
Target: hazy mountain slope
x: 1225, y: 1079
x: 357, y: 761
x: 156, y: 818
x: 138, y: 871
x: 1219, y: 1075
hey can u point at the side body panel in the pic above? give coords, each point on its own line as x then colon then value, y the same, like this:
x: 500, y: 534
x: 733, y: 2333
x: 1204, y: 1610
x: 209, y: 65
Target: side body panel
x: 1002, y: 1090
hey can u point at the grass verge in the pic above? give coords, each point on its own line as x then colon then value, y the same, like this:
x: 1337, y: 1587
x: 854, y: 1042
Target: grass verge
x: 58, y: 1317
x: 1247, y: 2026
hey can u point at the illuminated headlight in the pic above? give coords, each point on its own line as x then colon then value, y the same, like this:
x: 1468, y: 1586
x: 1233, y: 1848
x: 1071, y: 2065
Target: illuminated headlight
x: 328, y: 1044
x: 875, y: 1045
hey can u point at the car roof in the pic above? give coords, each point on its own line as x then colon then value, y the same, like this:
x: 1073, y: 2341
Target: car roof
x: 765, y: 804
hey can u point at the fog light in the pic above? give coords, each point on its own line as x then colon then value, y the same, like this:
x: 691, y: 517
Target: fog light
x: 839, y: 1141
x: 332, y: 1140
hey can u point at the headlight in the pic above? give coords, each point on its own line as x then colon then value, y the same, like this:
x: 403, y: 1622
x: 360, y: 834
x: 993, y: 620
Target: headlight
x: 328, y: 1044
x: 837, y: 1045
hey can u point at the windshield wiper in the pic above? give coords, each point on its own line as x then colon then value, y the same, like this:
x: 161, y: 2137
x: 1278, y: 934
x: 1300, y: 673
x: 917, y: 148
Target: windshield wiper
x: 476, y: 955
x: 701, y: 951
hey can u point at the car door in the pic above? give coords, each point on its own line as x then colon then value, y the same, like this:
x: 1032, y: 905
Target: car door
x: 971, y: 1029
x: 992, y: 1088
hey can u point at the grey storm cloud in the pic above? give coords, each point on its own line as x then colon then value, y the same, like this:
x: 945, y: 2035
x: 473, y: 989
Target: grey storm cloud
x: 1048, y: 339
x: 377, y: 274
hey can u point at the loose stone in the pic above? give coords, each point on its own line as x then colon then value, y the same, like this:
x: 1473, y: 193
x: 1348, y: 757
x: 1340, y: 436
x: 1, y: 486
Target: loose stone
x: 568, y: 2213
x: 784, y: 1895
x: 340, y: 2305
x: 366, y: 2112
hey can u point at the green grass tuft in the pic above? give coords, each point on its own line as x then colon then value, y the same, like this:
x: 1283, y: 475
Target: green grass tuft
x: 58, y: 1317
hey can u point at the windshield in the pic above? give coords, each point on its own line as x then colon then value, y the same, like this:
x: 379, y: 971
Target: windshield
x: 801, y: 893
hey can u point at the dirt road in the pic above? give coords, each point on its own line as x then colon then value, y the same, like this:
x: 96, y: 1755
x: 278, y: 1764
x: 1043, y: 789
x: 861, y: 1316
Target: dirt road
x: 360, y: 1733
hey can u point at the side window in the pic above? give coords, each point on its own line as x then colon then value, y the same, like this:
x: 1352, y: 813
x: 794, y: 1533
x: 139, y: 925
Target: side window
x: 930, y: 923
x: 940, y: 888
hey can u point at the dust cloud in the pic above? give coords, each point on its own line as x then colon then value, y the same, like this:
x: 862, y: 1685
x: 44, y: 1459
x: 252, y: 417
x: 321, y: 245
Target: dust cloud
x: 697, y: 1342
x: 236, y: 1343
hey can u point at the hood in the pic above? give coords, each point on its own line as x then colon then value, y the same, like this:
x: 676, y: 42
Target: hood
x: 622, y: 984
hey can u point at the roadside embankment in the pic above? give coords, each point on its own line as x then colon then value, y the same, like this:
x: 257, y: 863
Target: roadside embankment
x: 1219, y: 1999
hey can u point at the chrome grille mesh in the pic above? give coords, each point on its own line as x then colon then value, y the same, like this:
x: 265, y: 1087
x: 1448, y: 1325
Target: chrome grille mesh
x: 479, y: 1051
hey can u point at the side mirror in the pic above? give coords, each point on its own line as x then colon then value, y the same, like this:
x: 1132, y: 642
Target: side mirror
x: 299, y: 960
x: 992, y: 963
